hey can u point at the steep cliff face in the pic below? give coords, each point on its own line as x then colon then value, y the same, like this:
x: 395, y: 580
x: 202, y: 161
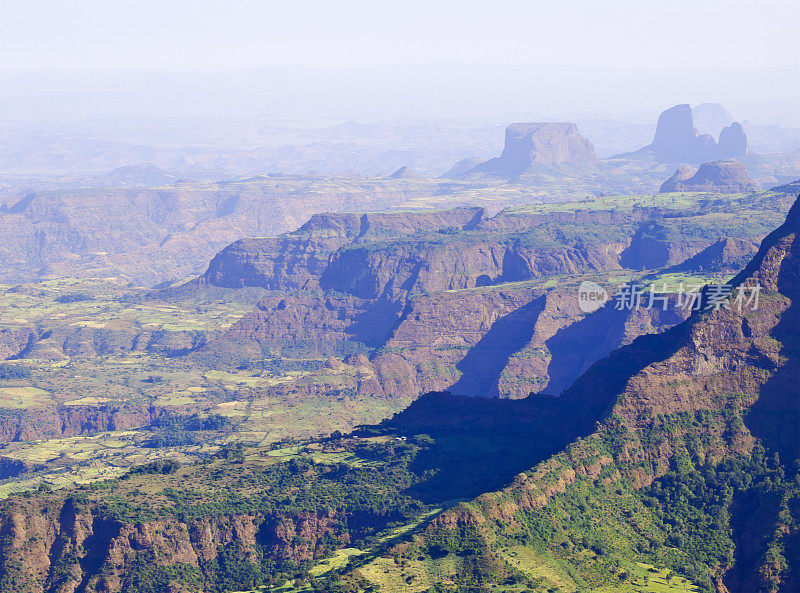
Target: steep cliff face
x: 50, y: 422
x: 442, y: 336
x: 293, y: 260
x: 732, y: 142
x: 707, y: 390
x: 455, y: 264
x: 305, y: 325
x: 383, y: 255
x: 210, y: 527
x: 649, y: 252
x: 737, y: 369
x: 435, y: 308
x: 725, y: 255
x: 676, y: 138
x: 388, y: 255
x: 673, y: 240
x: 57, y: 545
x: 565, y: 342
x: 504, y: 343
x: 297, y: 260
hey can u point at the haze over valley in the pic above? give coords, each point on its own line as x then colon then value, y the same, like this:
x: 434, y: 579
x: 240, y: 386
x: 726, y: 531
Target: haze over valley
x: 303, y: 299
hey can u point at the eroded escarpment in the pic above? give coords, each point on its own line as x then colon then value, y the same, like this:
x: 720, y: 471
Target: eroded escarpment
x: 434, y: 300
x: 55, y: 544
x: 464, y: 306
x: 297, y: 260
x: 207, y: 527
x: 55, y: 421
x: 714, y: 393
x: 711, y: 397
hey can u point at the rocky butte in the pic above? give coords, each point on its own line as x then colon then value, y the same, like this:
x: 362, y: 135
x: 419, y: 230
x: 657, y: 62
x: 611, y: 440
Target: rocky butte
x: 726, y: 177
x: 539, y: 143
x: 678, y: 141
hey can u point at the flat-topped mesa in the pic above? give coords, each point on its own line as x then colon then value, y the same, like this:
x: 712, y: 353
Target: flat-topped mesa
x: 725, y: 177
x: 677, y: 140
x: 539, y: 143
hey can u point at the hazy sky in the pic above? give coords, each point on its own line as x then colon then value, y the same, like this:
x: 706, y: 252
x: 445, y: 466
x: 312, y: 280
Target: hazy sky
x: 201, y: 35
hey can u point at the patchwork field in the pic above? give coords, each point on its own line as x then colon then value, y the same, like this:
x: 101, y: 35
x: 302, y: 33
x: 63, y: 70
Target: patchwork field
x: 90, y: 355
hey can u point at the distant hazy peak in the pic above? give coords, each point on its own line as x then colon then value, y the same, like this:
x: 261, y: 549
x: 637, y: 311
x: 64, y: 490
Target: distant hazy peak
x: 538, y: 143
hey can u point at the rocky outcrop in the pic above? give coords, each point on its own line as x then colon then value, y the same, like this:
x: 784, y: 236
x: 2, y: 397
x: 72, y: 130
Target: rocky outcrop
x: 677, y: 140
x: 732, y: 142
x: 446, y: 336
x: 705, y: 390
x: 681, y: 175
x: 309, y: 325
x: 650, y: 251
x: 434, y: 309
x: 455, y: 264
x: 541, y: 143
x: 504, y: 342
x: 374, y: 255
x: 725, y: 177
